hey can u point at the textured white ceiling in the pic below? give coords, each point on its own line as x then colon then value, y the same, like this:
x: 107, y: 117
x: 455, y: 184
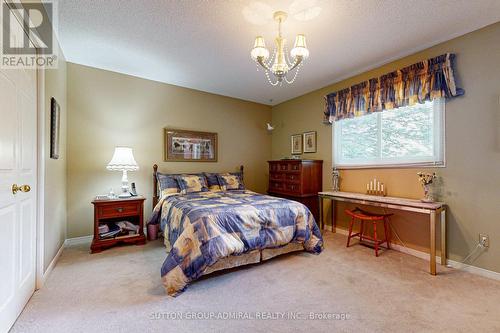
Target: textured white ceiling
x: 205, y: 44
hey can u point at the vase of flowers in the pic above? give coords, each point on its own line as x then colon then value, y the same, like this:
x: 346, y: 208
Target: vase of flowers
x: 426, y: 180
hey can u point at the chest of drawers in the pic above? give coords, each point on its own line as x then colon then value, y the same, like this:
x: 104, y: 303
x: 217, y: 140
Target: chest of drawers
x: 298, y: 180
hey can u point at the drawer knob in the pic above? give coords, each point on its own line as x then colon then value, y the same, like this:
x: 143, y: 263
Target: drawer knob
x: 119, y: 209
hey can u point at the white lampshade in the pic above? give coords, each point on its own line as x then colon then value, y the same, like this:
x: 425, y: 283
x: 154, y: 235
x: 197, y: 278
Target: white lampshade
x: 259, y: 49
x: 300, y: 47
x: 123, y: 160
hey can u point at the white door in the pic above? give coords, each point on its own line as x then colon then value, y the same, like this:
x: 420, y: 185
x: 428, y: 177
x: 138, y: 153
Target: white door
x: 18, y: 165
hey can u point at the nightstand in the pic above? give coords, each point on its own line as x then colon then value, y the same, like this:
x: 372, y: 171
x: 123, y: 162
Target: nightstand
x: 115, y: 210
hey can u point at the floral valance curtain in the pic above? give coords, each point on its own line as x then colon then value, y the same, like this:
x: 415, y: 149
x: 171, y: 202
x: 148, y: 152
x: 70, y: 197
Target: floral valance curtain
x: 424, y: 81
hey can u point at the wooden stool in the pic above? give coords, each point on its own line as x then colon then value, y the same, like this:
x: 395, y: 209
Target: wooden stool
x: 374, y: 218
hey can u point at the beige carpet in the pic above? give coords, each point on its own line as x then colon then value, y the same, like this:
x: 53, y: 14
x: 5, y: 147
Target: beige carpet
x: 119, y: 290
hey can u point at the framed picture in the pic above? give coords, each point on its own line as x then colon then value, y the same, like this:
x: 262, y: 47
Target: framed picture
x: 190, y: 146
x: 55, y: 124
x: 310, y: 142
x: 296, y: 144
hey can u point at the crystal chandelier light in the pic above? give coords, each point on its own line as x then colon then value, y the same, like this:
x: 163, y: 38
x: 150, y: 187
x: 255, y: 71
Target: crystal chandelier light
x: 280, y: 64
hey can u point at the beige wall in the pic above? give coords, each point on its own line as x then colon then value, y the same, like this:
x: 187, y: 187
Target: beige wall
x: 470, y: 183
x: 107, y: 109
x: 55, y: 170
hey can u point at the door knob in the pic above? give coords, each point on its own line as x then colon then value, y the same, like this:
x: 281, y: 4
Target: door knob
x: 22, y: 188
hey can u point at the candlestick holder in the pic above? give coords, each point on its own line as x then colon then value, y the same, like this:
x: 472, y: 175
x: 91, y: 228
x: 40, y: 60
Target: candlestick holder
x: 379, y: 193
x: 375, y: 187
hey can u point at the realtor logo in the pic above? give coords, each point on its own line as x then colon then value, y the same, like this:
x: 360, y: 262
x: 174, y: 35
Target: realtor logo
x: 28, y: 35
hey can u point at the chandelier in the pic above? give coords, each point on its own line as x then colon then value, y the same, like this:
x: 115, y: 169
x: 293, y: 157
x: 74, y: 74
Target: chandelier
x: 280, y: 64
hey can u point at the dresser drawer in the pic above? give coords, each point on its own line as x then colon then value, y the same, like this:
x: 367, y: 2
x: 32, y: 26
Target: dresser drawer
x: 278, y: 166
x: 292, y: 188
x: 277, y: 176
x: 293, y: 178
x: 276, y: 186
x: 123, y: 209
x: 283, y: 167
x: 297, y: 167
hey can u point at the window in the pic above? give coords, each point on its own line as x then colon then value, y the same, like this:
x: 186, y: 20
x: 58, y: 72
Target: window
x: 405, y: 136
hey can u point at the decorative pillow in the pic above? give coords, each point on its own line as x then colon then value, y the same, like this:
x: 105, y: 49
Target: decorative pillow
x: 192, y: 183
x: 231, y: 181
x: 167, y: 184
x: 212, y: 181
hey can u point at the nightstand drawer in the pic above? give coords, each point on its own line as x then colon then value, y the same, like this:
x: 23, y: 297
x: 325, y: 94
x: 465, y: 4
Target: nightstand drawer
x: 118, y: 210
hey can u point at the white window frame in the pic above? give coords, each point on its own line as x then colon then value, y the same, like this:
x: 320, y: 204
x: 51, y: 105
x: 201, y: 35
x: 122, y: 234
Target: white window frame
x: 437, y: 160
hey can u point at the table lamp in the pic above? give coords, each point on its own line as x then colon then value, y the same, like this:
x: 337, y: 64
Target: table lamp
x: 123, y: 160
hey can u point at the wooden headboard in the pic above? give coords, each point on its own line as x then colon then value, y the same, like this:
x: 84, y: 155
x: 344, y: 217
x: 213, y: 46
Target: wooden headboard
x: 156, y: 195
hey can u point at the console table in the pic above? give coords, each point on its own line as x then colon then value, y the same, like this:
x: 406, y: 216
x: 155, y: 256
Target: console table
x: 435, y: 210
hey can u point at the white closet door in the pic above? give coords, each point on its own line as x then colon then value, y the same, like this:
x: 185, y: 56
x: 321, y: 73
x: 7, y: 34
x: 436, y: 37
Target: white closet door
x: 18, y: 165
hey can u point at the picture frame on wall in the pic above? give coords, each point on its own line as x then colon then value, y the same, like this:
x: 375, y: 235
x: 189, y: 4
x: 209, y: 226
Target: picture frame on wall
x: 189, y: 146
x: 310, y: 142
x: 296, y: 142
x: 55, y: 127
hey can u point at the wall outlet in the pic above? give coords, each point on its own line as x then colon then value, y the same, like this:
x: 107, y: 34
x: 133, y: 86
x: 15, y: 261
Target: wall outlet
x: 484, y: 240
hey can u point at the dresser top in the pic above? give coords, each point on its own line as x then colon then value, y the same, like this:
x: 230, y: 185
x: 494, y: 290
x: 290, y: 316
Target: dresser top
x: 295, y: 160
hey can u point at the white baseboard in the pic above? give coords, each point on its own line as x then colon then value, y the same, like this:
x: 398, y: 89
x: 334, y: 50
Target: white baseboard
x: 426, y: 256
x: 49, y: 269
x: 473, y: 269
x: 78, y: 240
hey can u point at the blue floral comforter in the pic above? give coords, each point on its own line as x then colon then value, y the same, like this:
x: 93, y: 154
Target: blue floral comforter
x: 201, y: 228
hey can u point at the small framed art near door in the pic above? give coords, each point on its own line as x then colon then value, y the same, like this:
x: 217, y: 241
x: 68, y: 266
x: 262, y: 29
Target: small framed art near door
x: 55, y: 127
x: 189, y: 146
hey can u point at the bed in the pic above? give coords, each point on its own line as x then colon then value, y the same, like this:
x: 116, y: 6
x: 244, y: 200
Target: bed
x: 210, y: 230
